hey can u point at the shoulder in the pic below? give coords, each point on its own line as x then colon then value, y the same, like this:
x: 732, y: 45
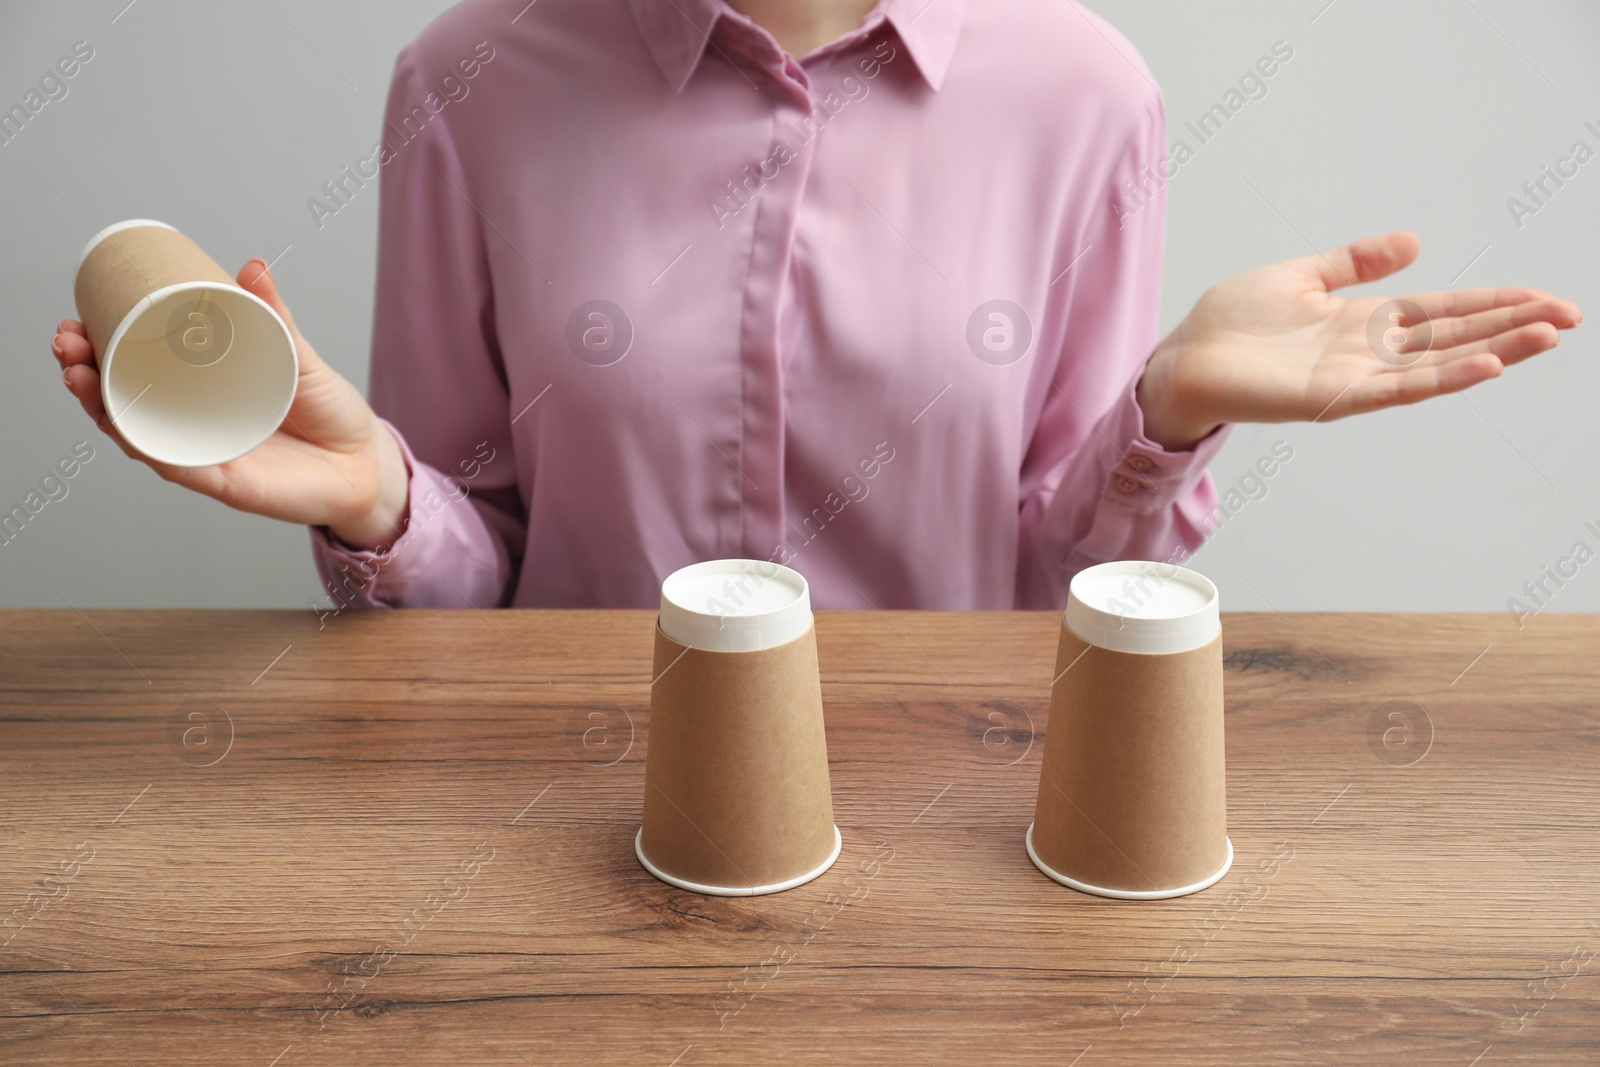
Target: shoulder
x: 545, y: 30
x: 1059, y: 62
x: 454, y: 35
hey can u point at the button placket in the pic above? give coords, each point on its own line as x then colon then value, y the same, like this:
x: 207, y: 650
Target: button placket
x: 764, y: 420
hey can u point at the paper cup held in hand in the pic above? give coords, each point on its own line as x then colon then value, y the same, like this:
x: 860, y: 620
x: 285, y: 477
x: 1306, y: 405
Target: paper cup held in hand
x: 737, y: 799
x: 194, y: 370
x: 1132, y: 792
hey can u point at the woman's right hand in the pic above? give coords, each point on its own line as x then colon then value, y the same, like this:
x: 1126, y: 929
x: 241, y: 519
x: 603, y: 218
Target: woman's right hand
x: 331, y: 463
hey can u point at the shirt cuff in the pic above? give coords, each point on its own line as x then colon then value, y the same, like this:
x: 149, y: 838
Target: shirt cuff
x: 1142, y: 476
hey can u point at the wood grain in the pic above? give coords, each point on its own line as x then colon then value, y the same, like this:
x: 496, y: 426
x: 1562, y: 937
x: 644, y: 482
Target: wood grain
x: 414, y: 846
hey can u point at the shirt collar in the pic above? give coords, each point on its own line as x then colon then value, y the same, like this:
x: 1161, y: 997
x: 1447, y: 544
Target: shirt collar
x: 678, y: 32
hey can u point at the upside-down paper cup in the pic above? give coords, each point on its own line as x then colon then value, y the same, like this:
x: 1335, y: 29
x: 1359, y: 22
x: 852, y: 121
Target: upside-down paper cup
x: 736, y: 797
x: 1132, y: 792
x: 194, y: 370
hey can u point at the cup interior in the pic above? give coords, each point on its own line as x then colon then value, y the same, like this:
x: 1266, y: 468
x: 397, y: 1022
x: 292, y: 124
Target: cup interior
x: 199, y: 374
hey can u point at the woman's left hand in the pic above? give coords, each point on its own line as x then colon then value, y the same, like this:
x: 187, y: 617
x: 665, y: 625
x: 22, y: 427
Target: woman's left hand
x: 1275, y: 344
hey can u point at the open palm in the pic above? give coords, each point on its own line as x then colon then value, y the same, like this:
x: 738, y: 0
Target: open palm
x: 1275, y: 344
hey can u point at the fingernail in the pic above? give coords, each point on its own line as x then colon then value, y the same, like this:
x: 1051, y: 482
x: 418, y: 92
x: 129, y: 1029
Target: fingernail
x: 65, y: 381
x: 55, y: 346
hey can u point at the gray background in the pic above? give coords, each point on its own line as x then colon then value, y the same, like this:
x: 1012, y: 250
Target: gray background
x: 1423, y: 116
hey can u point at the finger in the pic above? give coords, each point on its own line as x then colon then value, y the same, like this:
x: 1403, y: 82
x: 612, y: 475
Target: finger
x: 72, y: 350
x: 1365, y: 260
x: 84, y: 384
x: 1452, y: 332
x: 1509, y: 348
x: 71, y: 326
x: 256, y: 276
x: 1461, y: 302
x: 1417, y: 384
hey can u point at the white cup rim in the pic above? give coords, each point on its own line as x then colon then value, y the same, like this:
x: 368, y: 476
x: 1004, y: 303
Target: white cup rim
x: 697, y: 612
x: 1129, y: 894
x: 736, y: 891
x: 118, y: 227
x: 1188, y: 620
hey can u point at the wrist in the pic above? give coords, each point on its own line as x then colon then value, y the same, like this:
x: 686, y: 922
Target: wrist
x: 379, y: 521
x: 1171, y: 418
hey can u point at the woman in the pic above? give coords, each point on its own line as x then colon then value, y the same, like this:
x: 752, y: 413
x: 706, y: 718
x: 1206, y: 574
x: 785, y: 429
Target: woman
x: 652, y: 290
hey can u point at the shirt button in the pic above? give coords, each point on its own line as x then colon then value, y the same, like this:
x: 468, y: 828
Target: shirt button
x: 1140, y: 463
x: 1126, y: 485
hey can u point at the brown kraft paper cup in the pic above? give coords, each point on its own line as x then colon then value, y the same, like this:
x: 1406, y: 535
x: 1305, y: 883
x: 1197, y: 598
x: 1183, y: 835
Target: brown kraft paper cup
x: 737, y: 796
x: 194, y: 370
x: 1132, y: 793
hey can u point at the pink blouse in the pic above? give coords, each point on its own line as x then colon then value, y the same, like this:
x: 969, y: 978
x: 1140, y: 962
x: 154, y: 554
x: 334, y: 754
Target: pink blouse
x: 651, y: 291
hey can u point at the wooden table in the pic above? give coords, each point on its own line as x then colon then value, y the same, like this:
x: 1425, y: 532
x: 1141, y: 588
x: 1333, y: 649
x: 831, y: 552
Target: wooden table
x: 406, y: 837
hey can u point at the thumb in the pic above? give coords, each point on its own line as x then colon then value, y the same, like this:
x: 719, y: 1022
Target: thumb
x: 1365, y: 260
x: 255, y: 277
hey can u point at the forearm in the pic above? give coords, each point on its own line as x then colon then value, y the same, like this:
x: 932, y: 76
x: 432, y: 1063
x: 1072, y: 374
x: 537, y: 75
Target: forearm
x: 1173, y: 416
x: 379, y: 521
